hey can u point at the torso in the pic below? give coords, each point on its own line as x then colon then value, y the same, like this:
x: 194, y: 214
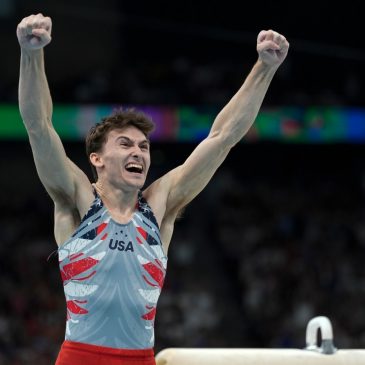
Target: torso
x: 113, y: 274
x: 68, y: 215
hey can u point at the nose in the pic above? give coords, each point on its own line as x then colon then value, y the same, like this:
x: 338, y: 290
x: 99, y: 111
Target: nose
x: 136, y: 152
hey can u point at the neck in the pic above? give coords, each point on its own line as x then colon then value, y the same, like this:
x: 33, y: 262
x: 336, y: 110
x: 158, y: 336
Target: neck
x: 120, y: 203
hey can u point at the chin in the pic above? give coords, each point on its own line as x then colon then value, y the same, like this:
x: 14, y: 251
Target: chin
x: 137, y: 184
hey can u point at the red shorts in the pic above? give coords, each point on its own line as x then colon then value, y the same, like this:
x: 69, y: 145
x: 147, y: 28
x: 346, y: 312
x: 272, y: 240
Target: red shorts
x: 75, y: 353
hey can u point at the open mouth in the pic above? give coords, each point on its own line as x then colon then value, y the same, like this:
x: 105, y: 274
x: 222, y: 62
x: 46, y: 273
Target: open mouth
x: 134, y: 167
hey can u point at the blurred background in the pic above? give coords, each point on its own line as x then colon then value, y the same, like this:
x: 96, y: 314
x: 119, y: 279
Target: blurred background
x: 278, y: 235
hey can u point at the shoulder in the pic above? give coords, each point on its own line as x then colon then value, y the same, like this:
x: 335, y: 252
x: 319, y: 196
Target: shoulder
x: 160, y: 189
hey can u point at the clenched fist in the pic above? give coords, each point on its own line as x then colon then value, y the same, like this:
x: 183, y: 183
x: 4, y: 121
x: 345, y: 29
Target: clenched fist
x: 34, y: 32
x: 272, y: 47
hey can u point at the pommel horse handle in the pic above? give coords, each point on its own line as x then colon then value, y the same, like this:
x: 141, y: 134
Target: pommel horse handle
x: 323, y: 325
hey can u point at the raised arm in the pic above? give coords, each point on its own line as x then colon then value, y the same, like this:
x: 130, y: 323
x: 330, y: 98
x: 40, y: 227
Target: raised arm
x: 238, y: 115
x: 231, y: 124
x: 67, y: 185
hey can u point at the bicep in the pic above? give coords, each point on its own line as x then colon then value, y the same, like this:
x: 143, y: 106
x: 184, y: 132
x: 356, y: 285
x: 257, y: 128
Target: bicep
x: 188, y: 180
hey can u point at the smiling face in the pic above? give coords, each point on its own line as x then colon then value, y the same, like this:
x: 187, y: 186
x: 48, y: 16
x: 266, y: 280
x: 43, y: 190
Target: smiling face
x: 124, y: 159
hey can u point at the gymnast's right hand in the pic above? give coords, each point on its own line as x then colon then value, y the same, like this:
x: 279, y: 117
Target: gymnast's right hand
x: 34, y: 32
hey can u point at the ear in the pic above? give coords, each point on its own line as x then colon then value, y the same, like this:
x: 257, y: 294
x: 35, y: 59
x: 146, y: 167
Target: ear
x: 96, y: 160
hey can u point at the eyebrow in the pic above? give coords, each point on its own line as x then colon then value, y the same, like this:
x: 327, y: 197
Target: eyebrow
x: 127, y: 139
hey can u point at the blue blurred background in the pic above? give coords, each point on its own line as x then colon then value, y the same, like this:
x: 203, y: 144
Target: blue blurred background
x: 278, y: 235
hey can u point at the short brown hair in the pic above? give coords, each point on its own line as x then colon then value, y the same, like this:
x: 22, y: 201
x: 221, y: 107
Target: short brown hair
x: 119, y: 119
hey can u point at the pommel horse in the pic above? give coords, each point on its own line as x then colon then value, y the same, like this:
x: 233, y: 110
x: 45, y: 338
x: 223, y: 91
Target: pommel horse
x: 324, y: 353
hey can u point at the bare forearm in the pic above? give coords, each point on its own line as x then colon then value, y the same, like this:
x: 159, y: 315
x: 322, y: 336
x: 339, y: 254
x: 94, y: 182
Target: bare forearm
x: 236, y: 118
x: 35, y: 101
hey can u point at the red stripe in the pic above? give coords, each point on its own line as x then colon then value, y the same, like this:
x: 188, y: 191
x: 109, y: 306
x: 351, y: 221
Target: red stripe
x: 101, y: 227
x: 75, y: 256
x: 155, y: 272
x: 74, y: 308
x: 142, y: 232
x: 150, y: 315
x: 105, y: 236
x: 86, y: 277
x: 159, y: 263
x: 148, y: 282
x: 75, y: 268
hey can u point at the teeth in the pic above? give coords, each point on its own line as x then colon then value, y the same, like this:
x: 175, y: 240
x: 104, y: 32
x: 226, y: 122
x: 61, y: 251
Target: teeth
x: 133, y: 165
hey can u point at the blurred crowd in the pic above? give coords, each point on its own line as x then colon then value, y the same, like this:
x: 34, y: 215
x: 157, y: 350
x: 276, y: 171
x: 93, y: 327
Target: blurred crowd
x: 265, y: 248
x: 185, y: 80
x: 182, y: 80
